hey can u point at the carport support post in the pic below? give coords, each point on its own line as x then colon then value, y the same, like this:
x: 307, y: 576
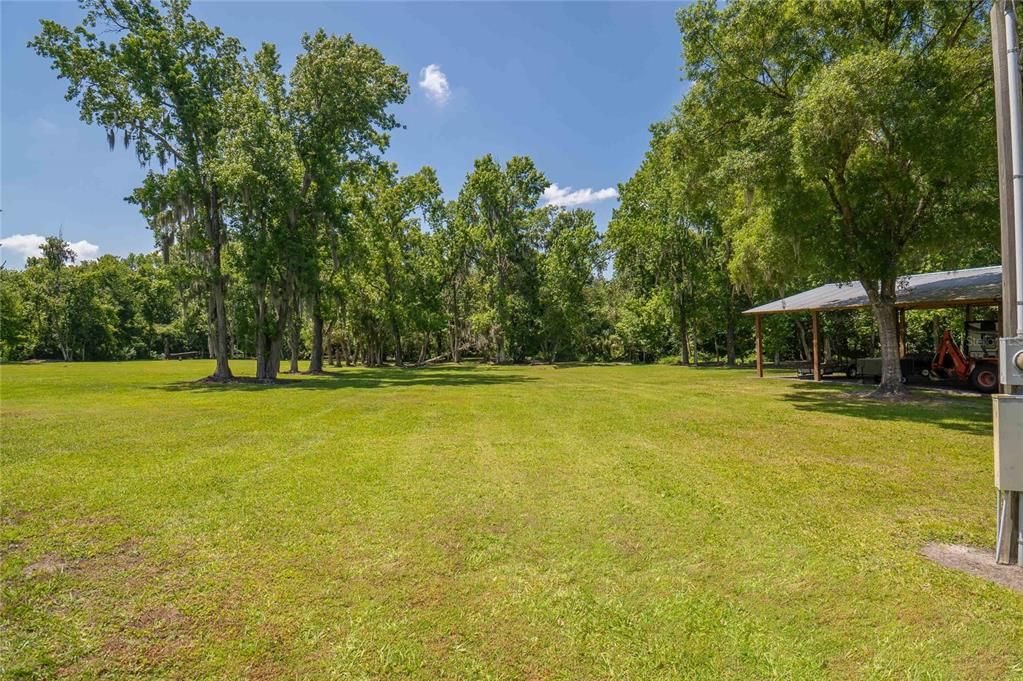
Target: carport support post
x: 760, y: 345
x: 816, y: 349
x: 900, y: 323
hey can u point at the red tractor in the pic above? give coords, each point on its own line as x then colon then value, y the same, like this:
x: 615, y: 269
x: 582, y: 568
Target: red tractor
x: 950, y: 362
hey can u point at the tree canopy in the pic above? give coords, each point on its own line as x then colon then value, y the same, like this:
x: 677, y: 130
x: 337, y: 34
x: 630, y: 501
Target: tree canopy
x: 816, y: 142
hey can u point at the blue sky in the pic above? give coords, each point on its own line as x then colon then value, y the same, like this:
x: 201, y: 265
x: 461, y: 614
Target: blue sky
x: 573, y: 85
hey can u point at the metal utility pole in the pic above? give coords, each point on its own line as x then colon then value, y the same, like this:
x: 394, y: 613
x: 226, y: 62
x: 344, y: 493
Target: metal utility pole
x: 1008, y: 406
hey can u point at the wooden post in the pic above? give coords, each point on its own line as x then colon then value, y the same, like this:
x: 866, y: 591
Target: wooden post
x: 900, y: 321
x: 760, y: 345
x: 816, y: 349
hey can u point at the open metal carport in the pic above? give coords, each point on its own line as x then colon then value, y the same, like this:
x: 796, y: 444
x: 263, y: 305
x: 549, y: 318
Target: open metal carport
x: 981, y: 286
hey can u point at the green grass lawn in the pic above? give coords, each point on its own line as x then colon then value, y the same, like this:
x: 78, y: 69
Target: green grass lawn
x: 476, y: 522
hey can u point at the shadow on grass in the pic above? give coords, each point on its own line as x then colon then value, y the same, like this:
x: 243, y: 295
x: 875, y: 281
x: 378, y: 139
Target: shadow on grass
x: 384, y: 377
x: 584, y: 365
x: 964, y: 413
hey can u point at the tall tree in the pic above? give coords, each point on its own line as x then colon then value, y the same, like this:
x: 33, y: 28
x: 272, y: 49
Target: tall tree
x: 500, y: 207
x: 861, y: 129
x: 338, y: 105
x: 394, y: 242
x: 159, y: 85
x: 57, y: 293
x: 570, y: 260
x: 658, y: 246
x: 262, y: 176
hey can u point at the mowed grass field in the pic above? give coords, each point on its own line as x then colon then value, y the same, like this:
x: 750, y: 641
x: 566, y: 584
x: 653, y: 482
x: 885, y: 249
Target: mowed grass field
x: 580, y: 522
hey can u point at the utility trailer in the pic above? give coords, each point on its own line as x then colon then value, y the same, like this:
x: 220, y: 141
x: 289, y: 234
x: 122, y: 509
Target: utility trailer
x: 835, y: 366
x: 869, y: 369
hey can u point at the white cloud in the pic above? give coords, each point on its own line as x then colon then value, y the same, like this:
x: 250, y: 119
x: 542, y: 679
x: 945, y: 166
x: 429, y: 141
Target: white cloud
x: 433, y: 81
x: 27, y: 246
x: 85, y: 250
x: 24, y: 245
x: 565, y: 196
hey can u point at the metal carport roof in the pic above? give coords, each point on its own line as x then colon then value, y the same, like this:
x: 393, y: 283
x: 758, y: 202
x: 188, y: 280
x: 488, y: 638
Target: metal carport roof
x: 977, y: 286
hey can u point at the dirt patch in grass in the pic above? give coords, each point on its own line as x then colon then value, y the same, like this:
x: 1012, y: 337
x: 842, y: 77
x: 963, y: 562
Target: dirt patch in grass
x: 48, y: 564
x: 96, y: 521
x: 976, y: 562
x: 160, y: 617
x: 122, y: 564
x: 143, y: 637
x: 153, y: 638
x: 10, y: 516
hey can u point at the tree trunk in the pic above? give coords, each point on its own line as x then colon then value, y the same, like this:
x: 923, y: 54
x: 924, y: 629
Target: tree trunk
x: 456, y: 351
x: 261, y: 349
x: 399, y: 357
x: 801, y: 332
x: 497, y: 341
x: 882, y: 303
x: 683, y: 327
x: 347, y: 352
x: 684, y: 331
x: 293, y: 341
x: 221, y: 342
x: 316, y: 354
x: 269, y: 338
x: 455, y: 333
x: 424, y: 351
x: 730, y: 338
x: 500, y: 357
x: 218, y: 290
x: 211, y: 328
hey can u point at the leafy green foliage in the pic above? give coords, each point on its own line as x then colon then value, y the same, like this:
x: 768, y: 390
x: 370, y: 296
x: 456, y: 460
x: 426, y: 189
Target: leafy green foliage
x: 400, y: 292
x: 161, y: 86
x: 571, y: 256
x: 852, y: 139
x: 111, y: 308
x: 499, y: 208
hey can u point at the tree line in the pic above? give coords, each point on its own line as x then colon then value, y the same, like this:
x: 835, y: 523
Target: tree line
x: 152, y: 305
x: 818, y: 141
x: 271, y: 187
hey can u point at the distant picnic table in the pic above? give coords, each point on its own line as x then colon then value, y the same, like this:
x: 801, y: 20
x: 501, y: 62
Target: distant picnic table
x: 183, y: 355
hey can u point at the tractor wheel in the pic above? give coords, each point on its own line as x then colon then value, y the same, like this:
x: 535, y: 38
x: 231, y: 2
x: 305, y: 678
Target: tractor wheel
x: 984, y: 378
